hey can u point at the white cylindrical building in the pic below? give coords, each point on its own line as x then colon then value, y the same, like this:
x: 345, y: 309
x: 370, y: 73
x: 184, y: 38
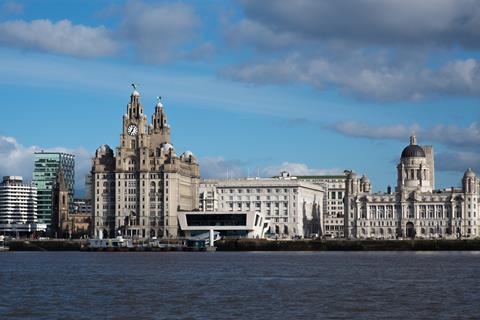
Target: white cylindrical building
x: 18, y: 206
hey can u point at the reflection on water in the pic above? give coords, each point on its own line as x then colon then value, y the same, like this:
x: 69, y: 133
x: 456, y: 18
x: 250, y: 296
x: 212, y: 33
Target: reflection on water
x: 258, y: 285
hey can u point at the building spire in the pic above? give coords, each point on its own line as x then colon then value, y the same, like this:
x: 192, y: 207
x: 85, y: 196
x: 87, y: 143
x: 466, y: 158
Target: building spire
x: 413, y: 139
x: 135, y: 92
x: 159, y: 102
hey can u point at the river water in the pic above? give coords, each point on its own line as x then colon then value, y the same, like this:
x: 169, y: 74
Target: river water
x: 263, y: 285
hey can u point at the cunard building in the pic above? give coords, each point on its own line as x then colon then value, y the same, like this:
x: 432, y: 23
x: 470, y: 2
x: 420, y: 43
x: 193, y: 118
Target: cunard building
x: 138, y: 191
x: 415, y: 208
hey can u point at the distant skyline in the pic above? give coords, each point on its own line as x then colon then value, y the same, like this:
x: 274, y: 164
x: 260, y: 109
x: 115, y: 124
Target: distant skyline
x: 311, y: 86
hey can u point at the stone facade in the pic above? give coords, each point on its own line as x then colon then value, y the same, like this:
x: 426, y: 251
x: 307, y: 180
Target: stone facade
x: 415, y: 209
x: 294, y: 208
x: 67, y: 223
x: 333, y: 209
x: 138, y: 191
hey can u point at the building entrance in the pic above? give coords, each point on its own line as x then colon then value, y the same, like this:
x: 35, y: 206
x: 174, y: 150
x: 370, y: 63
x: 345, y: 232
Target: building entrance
x: 410, y: 230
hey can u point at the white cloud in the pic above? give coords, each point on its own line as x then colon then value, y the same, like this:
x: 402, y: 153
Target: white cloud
x: 365, y: 75
x: 462, y: 142
x: 221, y: 168
x: 369, y: 49
x: 157, y: 30
x: 378, y: 22
x: 18, y: 160
x: 364, y: 130
x: 452, y: 136
x: 297, y: 169
x: 60, y: 37
x: 261, y: 37
x: 458, y: 161
x: 11, y: 7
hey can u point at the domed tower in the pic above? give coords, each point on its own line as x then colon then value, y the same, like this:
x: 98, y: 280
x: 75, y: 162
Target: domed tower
x: 365, y: 185
x: 470, y: 182
x: 104, y: 159
x: 414, y: 172
x: 352, y: 183
x: 160, y: 128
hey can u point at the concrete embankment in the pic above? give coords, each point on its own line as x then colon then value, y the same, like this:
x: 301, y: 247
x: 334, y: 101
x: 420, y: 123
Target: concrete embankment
x: 348, y: 245
x: 267, y: 245
x: 46, y: 245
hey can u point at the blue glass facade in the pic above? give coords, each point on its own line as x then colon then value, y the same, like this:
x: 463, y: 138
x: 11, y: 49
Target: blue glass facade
x: 46, y: 167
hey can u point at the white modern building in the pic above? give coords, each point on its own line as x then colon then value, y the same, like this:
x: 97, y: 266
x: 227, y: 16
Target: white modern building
x: 294, y: 207
x: 18, y: 207
x: 415, y: 209
x: 227, y: 224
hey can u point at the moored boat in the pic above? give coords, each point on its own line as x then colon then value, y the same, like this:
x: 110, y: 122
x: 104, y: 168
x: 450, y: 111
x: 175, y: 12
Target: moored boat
x: 3, y: 247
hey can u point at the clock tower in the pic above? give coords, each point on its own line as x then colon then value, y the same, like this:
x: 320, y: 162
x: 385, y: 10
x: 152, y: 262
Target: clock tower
x: 139, y: 190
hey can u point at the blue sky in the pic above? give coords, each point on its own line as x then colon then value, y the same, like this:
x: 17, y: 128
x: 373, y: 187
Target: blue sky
x: 311, y: 86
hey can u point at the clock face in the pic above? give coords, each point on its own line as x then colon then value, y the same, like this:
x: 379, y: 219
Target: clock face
x: 132, y: 130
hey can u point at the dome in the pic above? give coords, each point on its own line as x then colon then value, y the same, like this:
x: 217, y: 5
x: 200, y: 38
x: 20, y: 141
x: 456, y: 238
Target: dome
x: 159, y: 104
x: 188, y: 154
x: 167, y: 147
x: 413, y: 151
x: 352, y: 175
x: 365, y: 179
x: 469, y: 173
x: 104, y: 150
x: 136, y: 93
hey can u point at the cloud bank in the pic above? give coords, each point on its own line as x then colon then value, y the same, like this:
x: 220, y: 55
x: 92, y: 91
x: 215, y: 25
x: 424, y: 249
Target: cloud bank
x: 220, y: 168
x: 370, y: 49
x: 17, y: 160
x: 462, y: 143
x: 60, y: 37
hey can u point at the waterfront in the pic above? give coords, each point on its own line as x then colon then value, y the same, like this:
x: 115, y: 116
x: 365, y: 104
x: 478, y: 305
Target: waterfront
x: 232, y: 285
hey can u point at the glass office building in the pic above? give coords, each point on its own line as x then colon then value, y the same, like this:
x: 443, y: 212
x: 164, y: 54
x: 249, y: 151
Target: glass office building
x: 47, y: 165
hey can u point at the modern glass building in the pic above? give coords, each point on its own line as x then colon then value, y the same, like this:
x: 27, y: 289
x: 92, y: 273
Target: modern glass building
x: 47, y: 165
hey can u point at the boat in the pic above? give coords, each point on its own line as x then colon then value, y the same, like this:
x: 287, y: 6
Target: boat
x: 117, y: 243
x: 3, y: 247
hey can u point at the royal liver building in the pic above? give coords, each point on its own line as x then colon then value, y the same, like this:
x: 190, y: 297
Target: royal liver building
x: 138, y: 191
x: 415, y: 209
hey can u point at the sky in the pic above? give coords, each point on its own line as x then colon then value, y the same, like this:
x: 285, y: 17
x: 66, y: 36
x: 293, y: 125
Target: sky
x: 250, y: 87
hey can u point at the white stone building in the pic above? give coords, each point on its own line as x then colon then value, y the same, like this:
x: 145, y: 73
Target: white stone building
x: 415, y: 209
x: 333, y: 216
x: 138, y: 191
x: 294, y: 207
x: 18, y: 207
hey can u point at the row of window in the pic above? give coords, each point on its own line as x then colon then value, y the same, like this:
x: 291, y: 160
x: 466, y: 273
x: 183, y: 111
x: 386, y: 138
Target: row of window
x: 263, y: 190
